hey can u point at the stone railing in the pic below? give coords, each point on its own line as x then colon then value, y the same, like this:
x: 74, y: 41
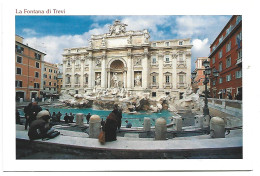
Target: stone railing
x: 67, y: 85
x: 232, y: 107
x: 154, y: 85
x: 239, y: 60
x: 182, y: 85
x: 181, y: 64
x: 169, y: 85
x: 77, y: 85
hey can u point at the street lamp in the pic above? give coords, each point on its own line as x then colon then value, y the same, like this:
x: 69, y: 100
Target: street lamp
x: 207, y: 72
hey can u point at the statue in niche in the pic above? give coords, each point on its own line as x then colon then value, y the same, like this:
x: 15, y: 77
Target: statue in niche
x: 90, y: 43
x: 138, y: 80
x: 98, y: 80
x: 146, y: 36
x: 115, y: 80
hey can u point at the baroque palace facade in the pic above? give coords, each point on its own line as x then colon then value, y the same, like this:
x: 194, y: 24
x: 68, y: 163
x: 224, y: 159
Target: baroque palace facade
x: 127, y: 60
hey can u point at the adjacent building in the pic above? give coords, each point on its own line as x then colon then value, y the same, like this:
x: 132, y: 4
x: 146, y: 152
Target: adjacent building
x: 59, y: 79
x: 28, y: 65
x: 49, y: 80
x: 226, y: 57
x: 122, y: 59
x: 198, y: 84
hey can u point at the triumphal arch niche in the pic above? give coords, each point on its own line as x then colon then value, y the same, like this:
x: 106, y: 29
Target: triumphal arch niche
x: 122, y: 59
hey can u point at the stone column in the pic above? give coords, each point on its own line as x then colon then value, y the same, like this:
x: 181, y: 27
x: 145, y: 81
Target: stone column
x: 73, y: 73
x: 145, y: 71
x: 129, y: 70
x: 103, y: 72
x: 64, y: 65
x: 217, y: 127
x: 161, y: 79
x: 147, y: 124
x: 160, y: 129
x: 108, y: 79
x: 177, y: 124
x: 187, y: 59
x: 90, y: 77
x: 125, y: 79
x: 79, y: 119
x: 82, y: 75
x: 94, y: 126
x: 174, y: 72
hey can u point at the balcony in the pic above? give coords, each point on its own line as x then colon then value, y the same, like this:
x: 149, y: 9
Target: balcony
x: 181, y: 64
x: 182, y: 85
x: 68, y: 69
x: 239, y: 61
x: 154, y: 85
x: 167, y: 85
x: 68, y: 85
x: 77, y: 85
x: 154, y: 64
x: 86, y: 84
x: 167, y: 64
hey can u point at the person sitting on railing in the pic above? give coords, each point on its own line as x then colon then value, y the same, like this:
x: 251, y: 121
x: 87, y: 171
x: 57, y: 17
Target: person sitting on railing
x: 128, y: 124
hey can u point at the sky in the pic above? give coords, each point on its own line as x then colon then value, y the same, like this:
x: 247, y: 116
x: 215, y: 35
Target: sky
x: 52, y: 34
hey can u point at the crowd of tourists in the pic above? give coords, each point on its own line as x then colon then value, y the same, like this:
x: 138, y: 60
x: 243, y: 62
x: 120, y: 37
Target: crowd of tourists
x: 40, y: 121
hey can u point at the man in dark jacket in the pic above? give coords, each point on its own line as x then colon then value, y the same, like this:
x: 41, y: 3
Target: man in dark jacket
x: 26, y: 111
x: 88, y: 117
x: 110, y: 127
x: 40, y: 127
x: 35, y: 109
x: 118, y: 115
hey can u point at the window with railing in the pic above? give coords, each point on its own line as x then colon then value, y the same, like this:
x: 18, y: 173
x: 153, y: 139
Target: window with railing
x: 154, y: 79
x: 36, y: 85
x: 220, y: 80
x: 37, y: 56
x: 19, y: 49
x: 220, y: 54
x: 228, y: 78
x: 213, y: 60
x: 167, y: 78
x: 228, y: 46
x: 228, y: 62
x: 239, y: 54
x: 167, y: 59
x: 37, y: 64
x: 239, y: 74
x: 19, y: 59
x: 220, y: 67
x: 18, y: 83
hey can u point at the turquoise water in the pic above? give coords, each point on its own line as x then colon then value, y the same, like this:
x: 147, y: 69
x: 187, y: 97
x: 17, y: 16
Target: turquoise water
x: 135, y: 119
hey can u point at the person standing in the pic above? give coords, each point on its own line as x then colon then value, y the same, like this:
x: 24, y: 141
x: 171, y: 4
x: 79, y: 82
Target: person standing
x: 66, y: 118
x: 110, y: 127
x: 128, y: 124
x: 26, y: 111
x: 88, y: 117
x: 18, y: 120
x: 71, y: 118
x: 118, y: 115
x: 58, y: 116
x: 35, y: 109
